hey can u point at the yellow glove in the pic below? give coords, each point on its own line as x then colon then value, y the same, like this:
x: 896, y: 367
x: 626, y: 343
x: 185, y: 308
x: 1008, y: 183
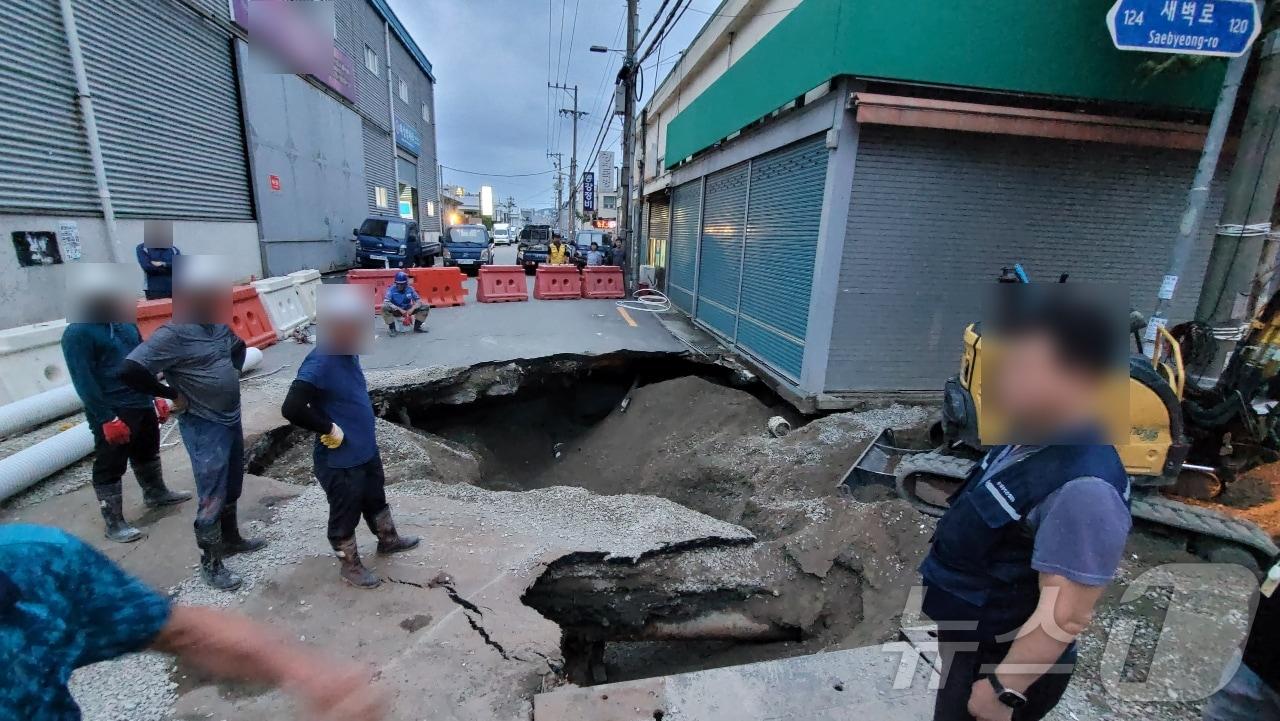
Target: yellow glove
x: 333, y: 438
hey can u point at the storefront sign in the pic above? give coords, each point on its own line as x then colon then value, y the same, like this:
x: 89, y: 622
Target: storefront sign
x: 1224, y: 28
x: 606, y: 171
x: 407, y: 137
x: 588, y: 191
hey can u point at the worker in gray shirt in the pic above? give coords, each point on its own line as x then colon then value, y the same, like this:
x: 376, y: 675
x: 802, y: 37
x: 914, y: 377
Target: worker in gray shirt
x: 201, y: 360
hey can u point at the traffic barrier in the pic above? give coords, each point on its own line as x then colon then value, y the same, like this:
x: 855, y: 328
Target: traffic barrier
x: 376, y: 280
x: 152, y: 314
x: 249, y: 317
x: 501, y: 284
x: 604, y: 281
x: 308, y: 284
x: 31, y: 360
x: 284, y: 307
x: 557, y: 282
x: 439, y: 287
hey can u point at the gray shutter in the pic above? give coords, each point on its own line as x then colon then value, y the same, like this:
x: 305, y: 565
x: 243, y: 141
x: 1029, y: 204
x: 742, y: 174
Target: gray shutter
x: 408, y: 171
x: 782, y: 240
x: 686, y: 212
x: 379, y: 168
x: 46, y: 161
x: 659, y: 229
x: 934, y: 215
x: 168, y: 108
x: 720, y: 253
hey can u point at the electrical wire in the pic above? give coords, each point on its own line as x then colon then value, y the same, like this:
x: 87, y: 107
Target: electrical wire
x: 677, y: 12
x: 646, y: 300
x: 497, y: 175
x: 712, y: 13
x: 644, y: 35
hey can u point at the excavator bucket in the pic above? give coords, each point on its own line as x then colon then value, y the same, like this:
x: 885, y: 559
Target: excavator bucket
x: 875, y: 464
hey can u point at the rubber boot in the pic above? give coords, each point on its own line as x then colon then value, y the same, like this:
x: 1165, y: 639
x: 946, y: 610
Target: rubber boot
x: 154, y: 492
x: 216, y: 575
x: 232, y: 542
x: 389, y: 541
x: 111, y: 503
x: 391, y: 329
x: 417, y: 327
x: 352, y: 570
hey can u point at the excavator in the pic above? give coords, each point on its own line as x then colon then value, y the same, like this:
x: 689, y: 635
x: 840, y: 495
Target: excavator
x: 1184, y: 446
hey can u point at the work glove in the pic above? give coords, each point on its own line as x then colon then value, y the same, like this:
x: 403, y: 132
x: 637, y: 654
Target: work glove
x: 115, y: 432
x: 162, y: 410
x: 333, y: 438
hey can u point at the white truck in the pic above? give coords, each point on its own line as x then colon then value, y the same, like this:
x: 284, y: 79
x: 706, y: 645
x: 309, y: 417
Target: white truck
x: 502, y: 233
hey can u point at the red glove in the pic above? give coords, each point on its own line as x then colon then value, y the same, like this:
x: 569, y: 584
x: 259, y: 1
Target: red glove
x: 162, y: 410
x: 116, y: 432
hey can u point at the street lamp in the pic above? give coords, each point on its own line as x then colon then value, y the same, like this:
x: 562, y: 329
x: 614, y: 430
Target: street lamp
x: 599, y: 49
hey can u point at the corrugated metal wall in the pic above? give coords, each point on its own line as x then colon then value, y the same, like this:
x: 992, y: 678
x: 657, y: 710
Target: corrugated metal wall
x: 410, y: 112
x: 935, y: 215
x: 686, y: 214
x: 359, y: 26
x: 46, y: 164
x: 720, y: 254
x: 379, y: 168
x: 787, y: 187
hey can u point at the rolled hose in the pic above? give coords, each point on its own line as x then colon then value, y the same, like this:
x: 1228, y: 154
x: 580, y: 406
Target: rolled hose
x: 23, y: 469
x: 36, y: 410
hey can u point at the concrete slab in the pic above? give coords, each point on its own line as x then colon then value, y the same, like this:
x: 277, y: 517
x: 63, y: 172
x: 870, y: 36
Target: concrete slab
x: 856, y: 683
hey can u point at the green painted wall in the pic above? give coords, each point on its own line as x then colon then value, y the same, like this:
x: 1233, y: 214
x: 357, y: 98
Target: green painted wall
x: 1031, y: 46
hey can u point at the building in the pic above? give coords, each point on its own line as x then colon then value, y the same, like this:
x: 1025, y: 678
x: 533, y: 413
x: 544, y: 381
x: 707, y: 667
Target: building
x: 272, y: 169
x: 834, y: 215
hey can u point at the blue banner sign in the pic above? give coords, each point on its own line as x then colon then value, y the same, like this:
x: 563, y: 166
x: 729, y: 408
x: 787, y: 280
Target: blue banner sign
x: 407, y: 137
x: 588, y: 191
x: 1222, y: 28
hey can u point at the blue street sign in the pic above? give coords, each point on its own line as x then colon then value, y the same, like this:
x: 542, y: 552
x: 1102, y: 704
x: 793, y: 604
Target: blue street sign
x: 588, y: 191
x: 1223, y: 28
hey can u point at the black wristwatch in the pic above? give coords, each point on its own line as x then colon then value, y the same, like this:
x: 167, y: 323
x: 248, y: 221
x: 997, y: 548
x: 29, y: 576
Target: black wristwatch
x: 1006, y: 696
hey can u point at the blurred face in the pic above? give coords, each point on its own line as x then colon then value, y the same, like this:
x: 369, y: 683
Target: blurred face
x: 202, y: 305
x: 100, y: 293
x: 1034, y: 389
x: 343, y: 336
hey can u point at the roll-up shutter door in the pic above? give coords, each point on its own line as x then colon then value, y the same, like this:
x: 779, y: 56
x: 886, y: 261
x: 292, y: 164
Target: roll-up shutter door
x: 939, y: 213
x: 46, y: 166
x: 408, y: 171
x: 659, y: 229
x: 686, y: 213
x: 168, y: 109
x: 785, y: 206
x: 720, y: 253
x: 379, y: 168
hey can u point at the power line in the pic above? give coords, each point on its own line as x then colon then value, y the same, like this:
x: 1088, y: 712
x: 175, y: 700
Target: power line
x: 497, y: 175
x: 644, y: 35
x: 713, y: 14
x: 673, y: 17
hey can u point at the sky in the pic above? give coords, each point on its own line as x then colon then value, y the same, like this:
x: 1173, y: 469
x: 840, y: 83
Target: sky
x: 493, y: 59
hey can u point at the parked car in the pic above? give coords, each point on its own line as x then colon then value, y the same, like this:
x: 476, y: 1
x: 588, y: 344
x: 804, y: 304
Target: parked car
x: 502, y: 234
x: 582, y: 244
x: 535, y: 241
x: 391, y: 243
x: 468, y: 247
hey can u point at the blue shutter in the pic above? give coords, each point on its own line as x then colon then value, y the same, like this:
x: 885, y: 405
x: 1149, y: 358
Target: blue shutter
x: 720, y: 253
x: 686, y: 211
x: 785, y: 206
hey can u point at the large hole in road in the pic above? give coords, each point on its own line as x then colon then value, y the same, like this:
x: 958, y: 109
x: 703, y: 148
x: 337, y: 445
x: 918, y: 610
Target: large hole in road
x: 826, y: 570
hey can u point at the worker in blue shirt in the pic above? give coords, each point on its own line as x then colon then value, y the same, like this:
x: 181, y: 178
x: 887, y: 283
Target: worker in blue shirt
x: 156, y: 262
x: 125, y: 422
x: 402, y: 302
x: 331, y: 399
x: 1036, y: 533
x: 63, y: 606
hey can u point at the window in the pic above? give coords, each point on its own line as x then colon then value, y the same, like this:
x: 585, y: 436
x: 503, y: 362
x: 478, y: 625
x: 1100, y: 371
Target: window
x: 370, y: 60
x: 431, y: 209
x: 426, y: 113
x: 610, y: 202
x: 404, y: 91
x: 380, y: 197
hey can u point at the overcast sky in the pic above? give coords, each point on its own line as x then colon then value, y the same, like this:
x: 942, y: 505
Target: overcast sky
x: 493, y: 108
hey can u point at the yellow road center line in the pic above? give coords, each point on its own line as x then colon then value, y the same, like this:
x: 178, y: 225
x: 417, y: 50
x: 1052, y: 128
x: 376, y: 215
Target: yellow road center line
x: 626, y: 316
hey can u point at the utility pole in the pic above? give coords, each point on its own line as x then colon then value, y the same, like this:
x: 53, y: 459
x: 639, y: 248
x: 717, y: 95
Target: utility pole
x: 1246, y: 215
x: 555, y: 157
x: 573, y: 155
x: 628, y: 78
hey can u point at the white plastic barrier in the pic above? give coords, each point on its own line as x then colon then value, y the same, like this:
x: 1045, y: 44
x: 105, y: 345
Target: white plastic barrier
x: 284, y: 307
x: 308, y: 283
x: 31, y: 360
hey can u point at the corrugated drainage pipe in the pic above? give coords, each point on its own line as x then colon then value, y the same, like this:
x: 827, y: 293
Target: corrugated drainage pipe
x: 22, y: 469
x: 36, y: 410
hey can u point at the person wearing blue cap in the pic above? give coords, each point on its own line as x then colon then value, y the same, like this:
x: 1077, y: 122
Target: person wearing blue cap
x: 401, y: 303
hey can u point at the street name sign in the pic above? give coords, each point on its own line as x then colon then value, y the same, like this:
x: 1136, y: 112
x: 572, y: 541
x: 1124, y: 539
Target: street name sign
x: 1220, y: 28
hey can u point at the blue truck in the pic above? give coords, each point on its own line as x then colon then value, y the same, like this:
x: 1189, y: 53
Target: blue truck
x: 391, y: 243
x: 467, y: 247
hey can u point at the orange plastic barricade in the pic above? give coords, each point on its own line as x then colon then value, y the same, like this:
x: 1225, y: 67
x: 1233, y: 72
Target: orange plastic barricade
x: 602, y: 281
x: 557, y: 282
x: 376, y: 280
x: 501, y: 284
x: 440, y: 287
x: 152, y: 314
x: 249, y: 317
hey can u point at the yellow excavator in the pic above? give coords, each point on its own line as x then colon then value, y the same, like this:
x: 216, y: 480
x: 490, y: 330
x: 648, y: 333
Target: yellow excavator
x: 1183, y: 441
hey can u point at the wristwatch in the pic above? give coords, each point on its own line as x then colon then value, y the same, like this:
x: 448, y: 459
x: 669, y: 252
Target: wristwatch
x: 1006, y: 696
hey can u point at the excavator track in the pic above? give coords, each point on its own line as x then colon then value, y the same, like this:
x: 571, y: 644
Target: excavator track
x: 1200, y: 524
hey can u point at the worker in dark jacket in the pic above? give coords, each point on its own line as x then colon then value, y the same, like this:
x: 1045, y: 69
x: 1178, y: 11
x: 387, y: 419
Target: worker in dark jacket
x: 125, y: 422
x: 157, y: 264
x: 330, y: 398
x: 402, y: 301
x: 1036, y: 533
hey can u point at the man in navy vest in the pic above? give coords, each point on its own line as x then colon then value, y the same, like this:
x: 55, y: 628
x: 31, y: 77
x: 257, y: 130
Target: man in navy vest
x: 403, y: 302
x: 1037, y: 532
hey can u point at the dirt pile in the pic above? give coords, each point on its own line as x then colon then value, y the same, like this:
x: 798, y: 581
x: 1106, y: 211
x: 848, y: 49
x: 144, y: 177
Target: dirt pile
x: 407, y: 455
